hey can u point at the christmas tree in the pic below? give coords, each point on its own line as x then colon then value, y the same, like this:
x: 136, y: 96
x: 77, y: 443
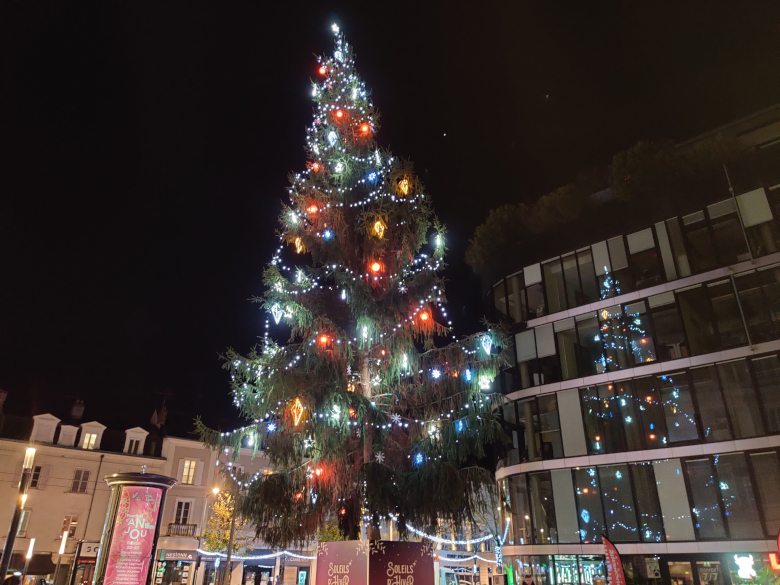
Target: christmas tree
x: 362, y: 415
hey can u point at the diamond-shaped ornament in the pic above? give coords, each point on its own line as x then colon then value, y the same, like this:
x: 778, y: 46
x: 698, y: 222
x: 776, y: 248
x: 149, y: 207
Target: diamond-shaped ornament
x: 487, y: 343
x: 277, y: 312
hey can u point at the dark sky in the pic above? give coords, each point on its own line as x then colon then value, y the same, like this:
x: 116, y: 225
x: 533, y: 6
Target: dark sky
x: 145, y: 146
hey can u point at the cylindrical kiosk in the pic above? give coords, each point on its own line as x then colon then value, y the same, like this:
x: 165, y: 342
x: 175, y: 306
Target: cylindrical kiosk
x: 131, y: 529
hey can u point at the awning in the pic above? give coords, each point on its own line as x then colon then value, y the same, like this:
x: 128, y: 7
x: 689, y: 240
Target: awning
x: 40, y: 563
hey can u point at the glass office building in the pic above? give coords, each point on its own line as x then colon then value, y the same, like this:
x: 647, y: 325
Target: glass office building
x: 643, y: 402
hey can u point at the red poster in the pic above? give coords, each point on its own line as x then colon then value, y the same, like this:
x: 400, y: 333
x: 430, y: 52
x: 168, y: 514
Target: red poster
x: 133, y: 539
x: 615, y: 574
x: 342, y: 563
x: 400, y: 563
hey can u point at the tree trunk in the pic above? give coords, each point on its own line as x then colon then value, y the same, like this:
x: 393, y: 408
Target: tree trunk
x: 368, y: 428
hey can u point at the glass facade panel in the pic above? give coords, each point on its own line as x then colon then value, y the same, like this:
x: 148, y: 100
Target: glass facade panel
x: 669, y: 330
x: 706, y: 506
x: 509, y: 416
x: 549, y: 427
x: 572, y: 428
x: 698, y: 319
x: 741, y: 401
x: 554, y: 288
x: 572, y: 278
x: 678, y: 247
x: 736, y: 491
x: 727, y: 231
x: 535, y: 298
x: 566, y: 339
x: 766, y: 469
x: 712, y: 412
x: 620, y: 273
x: 590, y: 286
x: 651, y: 527
x: 591, y: 351
x: 674, y: 500
x: 565, y: 506
x: 615, y: 339
x: 727, y: 315
x: 767, y: 375
x: 520, y: 508
x: 590, y: 513
x: 640, y: 333
x: 528, y: 427
x: 651, y: 412
x: 516, y: 298
x: 701, y: 250
x: 543, y: 508
x: 759, y: 293
x: 499, y: 298
x: 678, y: 407
x: 618, y: 502
x: 645, y: 259
x: 591, y: 414
x: 629, y: 406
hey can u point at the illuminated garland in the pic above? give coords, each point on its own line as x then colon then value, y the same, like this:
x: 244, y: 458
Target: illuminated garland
x: 256, y: 558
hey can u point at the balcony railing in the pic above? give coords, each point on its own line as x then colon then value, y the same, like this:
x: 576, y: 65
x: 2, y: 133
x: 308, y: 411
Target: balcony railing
x: 175, y: 529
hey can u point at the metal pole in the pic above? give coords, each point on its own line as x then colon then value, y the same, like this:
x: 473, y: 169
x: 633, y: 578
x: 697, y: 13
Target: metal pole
x: 8, y: 549
x: 27, y: 561
x: 59, y: 556
x: 57, y: 568
x: 739, y: 215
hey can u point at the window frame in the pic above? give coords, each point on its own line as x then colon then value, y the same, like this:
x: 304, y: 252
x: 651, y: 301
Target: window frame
x: 191, y: 466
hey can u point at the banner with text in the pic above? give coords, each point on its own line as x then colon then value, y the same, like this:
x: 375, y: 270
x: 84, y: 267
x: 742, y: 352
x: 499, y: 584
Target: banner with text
x: 400, y: 563
x: 342, y: 563
x: 615, y: 574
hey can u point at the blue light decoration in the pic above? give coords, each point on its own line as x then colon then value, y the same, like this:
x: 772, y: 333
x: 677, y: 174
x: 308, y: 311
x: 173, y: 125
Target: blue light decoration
x: 372, y: 176
x: 419, y: 459
x: 328, y: 234
x: 585, y: 515
x: 460, y: 426
x: 271, y: 427
x: 468, y: 375
x: 436, y: 373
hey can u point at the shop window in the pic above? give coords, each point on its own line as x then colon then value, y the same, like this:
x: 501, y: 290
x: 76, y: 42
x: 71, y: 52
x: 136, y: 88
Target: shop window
x: 678, y: 407
x: 645, y: 262
x: 706, y: 506
x: 678, y: 247
x: 593, y: 570
x: 590, y: 512
x: 629, y: 408
x: 549, y: 427
x: 698, y: 319
x: 516, y: 305
x: 729, y: 240
x: 727, y: 315
x: 762, y: 230
x: 499, y: 299
x: 668, y: 325
x: 673, y: 500
x: 651, y: 412
x: 554, y: 288
x: 651, y: 527
x: 543, y: 508
x: 712, y: 411
x: 591, y: 351
x: 590, y: 286
x: 614, y: 335
x: 525, y: 349
x: 736, y: 492
x: 699, y: 242
x: 741, y: 401
x: 710, y: 572
x: 571, y: 275
x: 618, y: 502
x: 565, y: 506
x: 567, y: 569
x: 642, y: 347
x: 566, y: 340
x: 680, y: 573
x: 767, y: 375
x: 766, y: 470
x: 520, y: 509
x: 620, y: 273
x: 759, y: 293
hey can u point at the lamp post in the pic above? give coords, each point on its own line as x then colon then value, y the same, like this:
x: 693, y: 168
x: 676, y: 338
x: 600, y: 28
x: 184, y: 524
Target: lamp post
x: 8, y: 549
x: 215, y: 491
x: 59, y: 556
x: 27, y: 561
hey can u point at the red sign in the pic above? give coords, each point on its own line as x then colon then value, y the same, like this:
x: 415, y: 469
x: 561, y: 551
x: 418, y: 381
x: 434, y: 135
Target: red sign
x: 615, y: 574
x: 342, y: 563
x: 130, y: 551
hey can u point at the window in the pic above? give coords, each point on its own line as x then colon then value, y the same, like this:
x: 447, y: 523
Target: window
x: 614, y: 338
x: 706, y: 505
x: 517, y: 492
x: 640, y: 335
x: 565, y: 506
x: 553, y: 286
x: 534, y: 428
x: 678, y: 247
x: 729, y: 240
x: 499, y: 298
x: 759, y: 293
x: 566, y: 338
x: 698, y: 319
x: 736, y: 491
x: 516, y: 298
x: 525, y: 350
x: 36, y: 476
x: 132, y: 446
x: 80, y: 480
x: 88, y: 441
x: 182, y: 514
x: 590, y: 286
x: 715, y: 423
x: 674, y: 500
x: 669, y: 330
x: 623, y: 280
x: 542, y: 508
x: 591, y: 350
x: 188, y: 473
x: 767, y: 374
x: 549, y: 427
x: 603, y: 421
x: 630, y: 408
x: 651, y: 412
x: 651, y: 527
x: 741, y: 401
x: 767, y: 474
x: 762, y: 231
x: 24, y: 521
x: 727, y: 315
x: 645, y: 261
x: 618, y: 502
x: 700, y: 247
x: 571, y: 276
x: 70, y: 523
x: 678, y: 407
x: 588, y: 496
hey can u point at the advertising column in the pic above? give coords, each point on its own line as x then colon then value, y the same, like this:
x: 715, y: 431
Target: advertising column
x: 131, y: 529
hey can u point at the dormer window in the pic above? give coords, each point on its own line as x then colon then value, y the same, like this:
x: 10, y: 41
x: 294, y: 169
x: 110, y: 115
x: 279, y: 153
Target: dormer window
x: 88, y: 441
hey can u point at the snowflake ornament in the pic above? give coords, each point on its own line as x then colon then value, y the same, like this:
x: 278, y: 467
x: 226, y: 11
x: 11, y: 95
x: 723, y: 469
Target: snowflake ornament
x: 396, y: 418
x: 380, y: 457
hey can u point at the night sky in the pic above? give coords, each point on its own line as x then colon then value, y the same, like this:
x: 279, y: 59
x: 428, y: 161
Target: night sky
x: 145, y: 148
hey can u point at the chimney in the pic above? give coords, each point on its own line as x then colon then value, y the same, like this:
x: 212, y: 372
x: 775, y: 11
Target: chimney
x: 77, y: 410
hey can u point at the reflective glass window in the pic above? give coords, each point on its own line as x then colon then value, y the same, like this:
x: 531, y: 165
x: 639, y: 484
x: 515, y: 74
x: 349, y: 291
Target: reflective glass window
x: 651, y: 527
x: 651, y: 412
x: 767, y: 374
x: 727, y: 231
x: 590, y: 286
x: 591, y: 348
x: 517, y: 309
x: 590, y: 512
x: 622, y: 279
x: 739, y: 501
x: 549, y: 427
x: 727, y: 315
x: 629, y: 406
x: 674, y: 500
x: 571, y: 276
x: 678, y: 247
x: 615, y: 339
x: 767, y: 473
x: 741, y: 401
x: 712, y: 411
x: 527, y: 418
x: 759, y: 293
x: 543, y: 508
x: 517, y: 452
x: 618, y: 502
x: 701, y: 250
x: 642, y: 347
x: 535, y: 298
x: 706, y: 506
x: 554, y: 288
x: 566, y: 339
x: 761, y: 227
x: 669, y: 330
x: 520, y: 508
x: 678, y: 407
x: 499, y: 298
x: 645, y: 259
x: 698, y: 319
x: 565, y: 506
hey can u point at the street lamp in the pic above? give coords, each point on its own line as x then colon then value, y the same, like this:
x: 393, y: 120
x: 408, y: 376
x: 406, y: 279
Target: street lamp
x: 8, y: 549
x: 59, y: 556
x: 27, y: 558
x: 215, y: 491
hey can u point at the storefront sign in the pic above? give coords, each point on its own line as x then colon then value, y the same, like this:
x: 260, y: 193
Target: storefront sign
x: 745, y: 564
x: 178, y: 555
x: 133, y: 539
x: 653, y: 567
x: 89, y: 550
x: 615, y: 574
